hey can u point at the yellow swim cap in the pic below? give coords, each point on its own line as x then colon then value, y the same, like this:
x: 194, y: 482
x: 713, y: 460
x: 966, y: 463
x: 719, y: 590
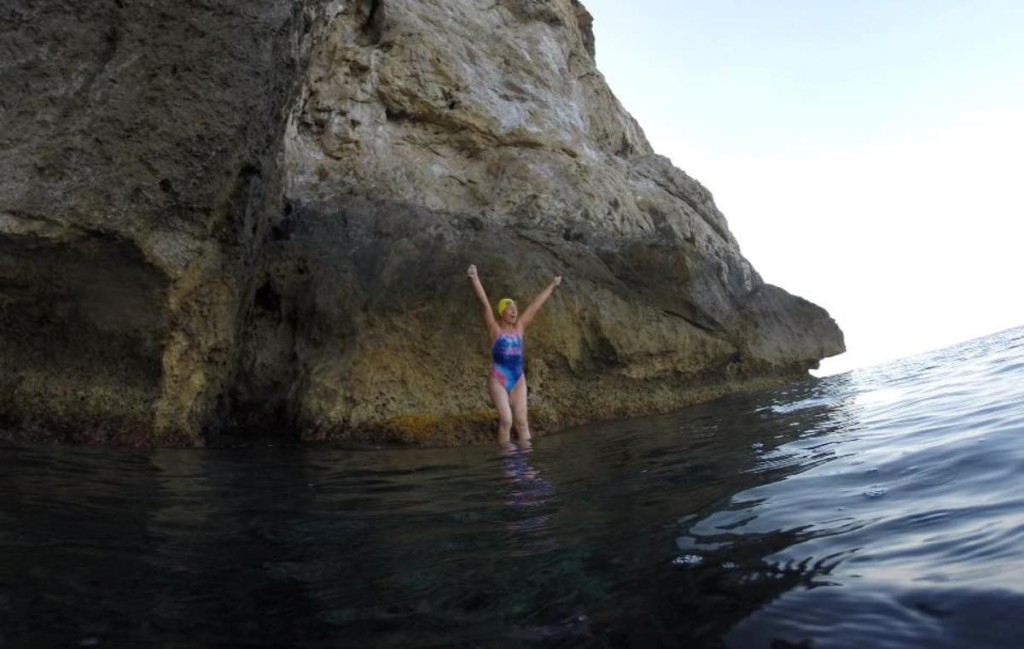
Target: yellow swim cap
x: 503, y: 304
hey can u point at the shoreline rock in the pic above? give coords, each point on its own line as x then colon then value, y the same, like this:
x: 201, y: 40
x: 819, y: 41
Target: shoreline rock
x: 260, y: 215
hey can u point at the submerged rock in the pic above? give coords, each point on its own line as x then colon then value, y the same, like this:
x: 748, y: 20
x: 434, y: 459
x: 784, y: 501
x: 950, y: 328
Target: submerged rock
x: 261, y: 214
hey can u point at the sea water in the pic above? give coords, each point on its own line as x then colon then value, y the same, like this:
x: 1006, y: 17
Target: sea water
x: 878, y: 508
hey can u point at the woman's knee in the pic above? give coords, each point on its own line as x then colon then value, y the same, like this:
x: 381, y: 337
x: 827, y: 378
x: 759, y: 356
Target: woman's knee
x: 505, y: 419
x: 521, y: 421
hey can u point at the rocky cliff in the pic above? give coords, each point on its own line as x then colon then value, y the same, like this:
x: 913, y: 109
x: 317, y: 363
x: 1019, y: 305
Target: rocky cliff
x: 260, y: 213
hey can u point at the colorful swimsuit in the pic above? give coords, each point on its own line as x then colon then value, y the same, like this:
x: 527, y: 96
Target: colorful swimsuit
x: 507, y: 356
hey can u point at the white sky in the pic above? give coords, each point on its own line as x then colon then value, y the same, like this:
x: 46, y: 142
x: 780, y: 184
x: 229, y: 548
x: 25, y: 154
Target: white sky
x: 868, y: 154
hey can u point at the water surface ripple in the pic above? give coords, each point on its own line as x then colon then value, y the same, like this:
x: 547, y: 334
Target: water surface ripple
x: 879, y: 508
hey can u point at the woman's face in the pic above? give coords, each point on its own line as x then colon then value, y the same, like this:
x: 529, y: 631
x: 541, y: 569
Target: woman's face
x: 510, y: 314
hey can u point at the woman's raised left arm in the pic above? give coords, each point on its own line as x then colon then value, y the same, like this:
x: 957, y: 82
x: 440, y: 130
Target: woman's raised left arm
x: 531, y: 311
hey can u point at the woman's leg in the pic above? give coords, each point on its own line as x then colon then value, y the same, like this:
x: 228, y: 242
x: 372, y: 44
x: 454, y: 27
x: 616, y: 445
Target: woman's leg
x: 501, y: 401
x: 517, y: 400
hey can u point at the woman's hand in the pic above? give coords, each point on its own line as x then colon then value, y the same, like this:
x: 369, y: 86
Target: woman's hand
x: 557, y: 280
x: 471, y: 271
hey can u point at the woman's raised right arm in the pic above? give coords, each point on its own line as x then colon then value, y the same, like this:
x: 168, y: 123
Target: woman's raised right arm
x: 481, y: 296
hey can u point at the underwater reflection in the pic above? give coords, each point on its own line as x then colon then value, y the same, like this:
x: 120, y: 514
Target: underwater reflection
x: 528, y: 496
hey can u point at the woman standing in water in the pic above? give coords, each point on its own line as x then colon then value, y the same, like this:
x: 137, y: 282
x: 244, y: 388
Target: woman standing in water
x: 507, y: 384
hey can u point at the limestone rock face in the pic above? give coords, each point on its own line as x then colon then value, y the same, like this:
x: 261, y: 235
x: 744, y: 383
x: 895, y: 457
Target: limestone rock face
x: 140, y: 146
x: 264, y: 212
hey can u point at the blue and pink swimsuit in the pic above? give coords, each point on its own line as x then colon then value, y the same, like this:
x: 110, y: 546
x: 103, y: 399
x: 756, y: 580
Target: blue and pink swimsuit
x: 507, y: 358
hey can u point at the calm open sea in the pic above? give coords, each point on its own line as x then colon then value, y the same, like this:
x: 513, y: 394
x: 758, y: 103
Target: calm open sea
x: 878, y: 508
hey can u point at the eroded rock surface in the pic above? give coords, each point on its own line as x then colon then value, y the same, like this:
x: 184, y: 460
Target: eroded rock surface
x: 263, y: 213
x: 140, y: 146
